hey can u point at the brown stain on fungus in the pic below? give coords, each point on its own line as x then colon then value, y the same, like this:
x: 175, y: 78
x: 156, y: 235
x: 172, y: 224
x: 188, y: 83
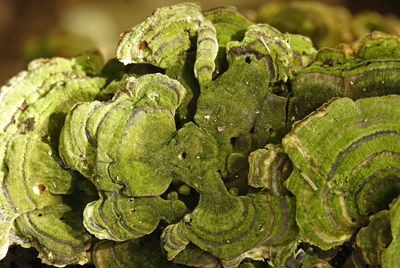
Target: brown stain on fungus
x: 142, y: 45
x: 29, y: 123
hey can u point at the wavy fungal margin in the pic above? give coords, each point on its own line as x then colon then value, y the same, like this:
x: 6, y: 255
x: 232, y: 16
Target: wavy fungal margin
x: 345, y: 156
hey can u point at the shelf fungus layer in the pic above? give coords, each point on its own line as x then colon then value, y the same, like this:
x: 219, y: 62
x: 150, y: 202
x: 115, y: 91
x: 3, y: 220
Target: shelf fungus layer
x: 117, y: 145
x: 113, y: 143
x: 369, y: 69
x: 346, y: 166
x: 130, y: 254
x: 33, y: 178
x: 263, y: 57
x: 160, y: 39
x: 269, y: 168
x: 233, y: 228
x: 390, y: 257
x: 372, y: 240
x: 58, y: 233
x: 119, y: 218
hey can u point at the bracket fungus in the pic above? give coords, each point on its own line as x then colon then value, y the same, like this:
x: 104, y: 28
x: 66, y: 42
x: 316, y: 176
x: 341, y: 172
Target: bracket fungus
x: 209, y: 141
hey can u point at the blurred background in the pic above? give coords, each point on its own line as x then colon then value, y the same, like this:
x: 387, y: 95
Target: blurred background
x: 44, y: 28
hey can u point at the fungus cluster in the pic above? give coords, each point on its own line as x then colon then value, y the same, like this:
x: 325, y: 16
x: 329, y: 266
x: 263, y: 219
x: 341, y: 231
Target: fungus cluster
x: 209, y: 141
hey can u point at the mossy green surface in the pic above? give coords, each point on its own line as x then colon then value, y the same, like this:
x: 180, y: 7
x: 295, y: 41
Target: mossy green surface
x: 171, y: 153
x: 341, y: 153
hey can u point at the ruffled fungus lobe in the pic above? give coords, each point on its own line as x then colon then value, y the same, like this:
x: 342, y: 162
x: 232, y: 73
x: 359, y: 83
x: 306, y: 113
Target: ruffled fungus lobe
x: 33, y: 107
x: 346, y: 158
x: 57, y: 232
x: 207, y: 49
x: 140, y: 46
x: 390, y: 257
x: 372, y: 240
x: 371, y: 69
x: 233, y: 228
x: 269, y: 168
x: 130, y: 254
x: 119, y: 218
x: 140, y: 121
x: 263, y: 57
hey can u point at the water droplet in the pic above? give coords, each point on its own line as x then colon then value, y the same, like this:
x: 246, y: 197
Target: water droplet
x: 35, y: 189
x: 39, y: 189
